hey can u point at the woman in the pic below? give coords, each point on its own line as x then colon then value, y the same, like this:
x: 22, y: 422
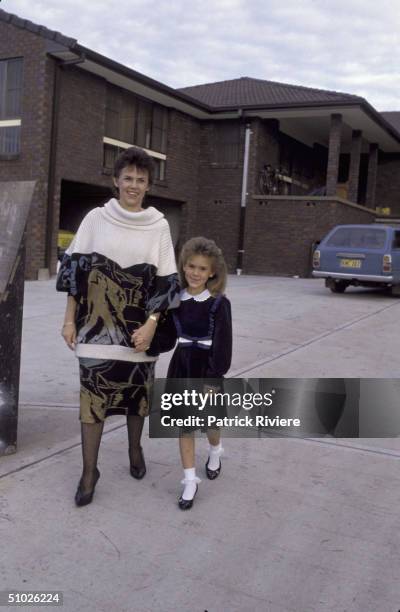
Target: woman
x: 120, y: 275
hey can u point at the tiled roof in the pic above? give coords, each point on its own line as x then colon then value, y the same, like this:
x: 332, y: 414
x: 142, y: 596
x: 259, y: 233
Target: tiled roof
x: 246, y: 91
x: 392, y: 117
x: 25, y: 24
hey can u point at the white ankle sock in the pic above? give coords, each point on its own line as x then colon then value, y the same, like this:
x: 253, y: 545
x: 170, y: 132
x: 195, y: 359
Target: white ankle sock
x: 215, y: 453
x: 190, y: 481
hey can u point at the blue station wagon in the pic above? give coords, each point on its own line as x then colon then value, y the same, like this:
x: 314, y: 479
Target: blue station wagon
x: 366, y: 255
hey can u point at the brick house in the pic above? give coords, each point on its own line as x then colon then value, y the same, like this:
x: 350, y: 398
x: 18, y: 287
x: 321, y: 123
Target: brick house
x: 66, y: 112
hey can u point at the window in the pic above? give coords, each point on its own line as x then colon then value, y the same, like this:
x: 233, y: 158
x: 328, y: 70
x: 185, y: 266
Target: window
x: 143, y: 126
x: 9, y: 140
x: 227, y: 143
x: 10, y: 106
x: 159, y: 169
x: 111, y: 153
x: 396, y: 240
x: 120, y: 115
x: 133, y: 121
x: 358, y: 238
x: 159, y: 129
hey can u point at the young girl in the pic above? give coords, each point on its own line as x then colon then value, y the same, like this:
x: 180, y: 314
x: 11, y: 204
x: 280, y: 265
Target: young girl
x: 204, y: 350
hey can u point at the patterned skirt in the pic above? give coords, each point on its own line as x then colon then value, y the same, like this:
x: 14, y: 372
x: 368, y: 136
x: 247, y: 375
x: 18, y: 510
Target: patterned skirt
x: 114, y: 387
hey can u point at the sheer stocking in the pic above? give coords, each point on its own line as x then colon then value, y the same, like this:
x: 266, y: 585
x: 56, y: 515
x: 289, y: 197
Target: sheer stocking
x: 91, y: 436
x: 135, y: 424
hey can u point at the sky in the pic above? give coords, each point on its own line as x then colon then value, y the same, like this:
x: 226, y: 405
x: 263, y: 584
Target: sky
x: 351, y: 46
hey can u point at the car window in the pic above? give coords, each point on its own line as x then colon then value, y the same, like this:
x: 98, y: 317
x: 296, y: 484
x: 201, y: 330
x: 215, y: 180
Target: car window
x: 358, y: 238
x: 396, y: 240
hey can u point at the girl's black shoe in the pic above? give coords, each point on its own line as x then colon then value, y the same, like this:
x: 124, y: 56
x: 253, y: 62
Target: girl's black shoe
x: 186, y: 504
x: 138, y: 471
x: 213, y: 474
x: 83, y: 499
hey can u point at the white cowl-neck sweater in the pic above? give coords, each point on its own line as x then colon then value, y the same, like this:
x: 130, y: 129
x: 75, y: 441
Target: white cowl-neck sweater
x: 120, y: 268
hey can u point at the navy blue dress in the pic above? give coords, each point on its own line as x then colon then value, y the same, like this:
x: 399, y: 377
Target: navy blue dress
x: 204, y: 330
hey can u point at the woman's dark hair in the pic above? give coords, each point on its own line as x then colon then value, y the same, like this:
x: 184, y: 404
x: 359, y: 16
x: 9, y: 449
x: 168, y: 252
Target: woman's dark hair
x: 207, y: 248
x: 134, y: 157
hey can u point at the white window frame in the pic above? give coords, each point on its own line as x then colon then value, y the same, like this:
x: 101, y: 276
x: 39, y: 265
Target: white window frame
x: 125, y: 145
x: 10, y: 123
x: 7, y: 123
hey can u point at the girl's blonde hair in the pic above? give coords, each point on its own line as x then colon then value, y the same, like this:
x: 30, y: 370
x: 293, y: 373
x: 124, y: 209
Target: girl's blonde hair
x: 207, y: 248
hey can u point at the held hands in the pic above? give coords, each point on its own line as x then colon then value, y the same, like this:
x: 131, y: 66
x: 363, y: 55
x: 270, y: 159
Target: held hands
x: 68, y: 332
x: 142, y: 337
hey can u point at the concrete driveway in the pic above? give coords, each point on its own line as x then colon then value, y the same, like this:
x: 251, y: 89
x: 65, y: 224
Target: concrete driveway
x: 290, y: 525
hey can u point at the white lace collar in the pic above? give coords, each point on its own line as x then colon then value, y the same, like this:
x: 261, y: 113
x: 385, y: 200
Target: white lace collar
x: 200, y: 297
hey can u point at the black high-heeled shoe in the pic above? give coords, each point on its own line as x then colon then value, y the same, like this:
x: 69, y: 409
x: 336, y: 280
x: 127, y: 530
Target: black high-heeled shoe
x: 138, y: 472
x: 186, y: 504
x: 83, y: 499
x: 213, y: 474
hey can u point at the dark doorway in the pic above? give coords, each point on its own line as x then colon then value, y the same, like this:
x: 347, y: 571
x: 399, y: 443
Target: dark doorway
x: 172, y: 211
x: 77, y: 199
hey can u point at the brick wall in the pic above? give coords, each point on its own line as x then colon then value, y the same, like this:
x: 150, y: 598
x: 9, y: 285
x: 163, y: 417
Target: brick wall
x: 220, y: 187
x: 354, y: 166
x: 183, y: 164
x: 280, y: 232
x: 334, y: 154
x: 80, y: 149
x: 81, y: 127
x: 218, y: 210
x: 388, y: 182
x: 33, y: 161
x: 80, y: 130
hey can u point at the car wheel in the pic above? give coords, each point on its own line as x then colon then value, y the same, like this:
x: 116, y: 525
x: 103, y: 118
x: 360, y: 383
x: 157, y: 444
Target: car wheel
x: 395, y: 290
x: 339, y: 287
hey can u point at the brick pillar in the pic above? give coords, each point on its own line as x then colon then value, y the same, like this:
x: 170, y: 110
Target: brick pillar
x: 335, y: 137
x: 372, y: 172
x: 354, y: 171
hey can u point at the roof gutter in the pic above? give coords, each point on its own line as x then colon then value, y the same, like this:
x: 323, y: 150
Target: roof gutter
x: 137, y: 76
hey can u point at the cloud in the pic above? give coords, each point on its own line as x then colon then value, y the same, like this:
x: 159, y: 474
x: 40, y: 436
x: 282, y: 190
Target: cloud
x: 343, y: 45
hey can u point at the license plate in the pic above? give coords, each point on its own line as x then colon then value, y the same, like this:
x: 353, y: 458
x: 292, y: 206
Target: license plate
x: 350, y: 263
